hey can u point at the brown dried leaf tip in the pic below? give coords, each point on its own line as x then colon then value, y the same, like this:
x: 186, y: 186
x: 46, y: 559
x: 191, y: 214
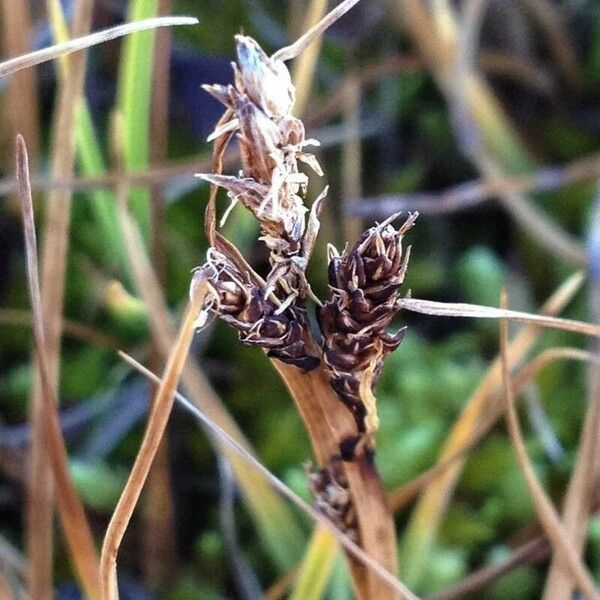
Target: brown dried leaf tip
x: 364, y: 283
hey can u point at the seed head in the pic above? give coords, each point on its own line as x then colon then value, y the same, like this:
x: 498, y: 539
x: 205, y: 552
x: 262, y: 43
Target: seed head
x: 266, y: 81
x: 256, y: 313
x: 364, y: 282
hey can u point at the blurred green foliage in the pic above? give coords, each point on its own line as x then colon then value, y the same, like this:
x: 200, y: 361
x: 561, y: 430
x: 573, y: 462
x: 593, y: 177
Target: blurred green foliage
x: 463, y: 257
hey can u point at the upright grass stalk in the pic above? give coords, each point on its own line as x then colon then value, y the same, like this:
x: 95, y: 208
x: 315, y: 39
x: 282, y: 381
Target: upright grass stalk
x: 90, y: 159
x: 134, y: 103
x: 157, y: 421
x: 22, y: 90
x: 316, y: 566
x: 54, y: 259
x: 305, y: 65
x: 77, y: 532
x: 583, y: 484
x: 159, y: 553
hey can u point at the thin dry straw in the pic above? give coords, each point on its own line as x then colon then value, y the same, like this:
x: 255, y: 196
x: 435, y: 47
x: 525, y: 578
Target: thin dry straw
x: 77, y: 533
x: 293, y: 50
x: 31, y: 59
x: 458, y: 309
x: 546, y: 512
x: 221, y: 436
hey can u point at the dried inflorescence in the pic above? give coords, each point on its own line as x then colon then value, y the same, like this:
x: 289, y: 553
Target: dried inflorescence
x: 271, y: 142
x: 364, y: 282
x: 271, y: 313
x: 329, y: 486
x: 255, y: 312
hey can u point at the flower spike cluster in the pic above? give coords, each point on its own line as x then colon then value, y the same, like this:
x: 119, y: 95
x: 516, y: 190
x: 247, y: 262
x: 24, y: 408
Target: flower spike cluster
x: 271, y: 142
x: 364, y: 282
x: 269, y: 313
x: 256, y: 316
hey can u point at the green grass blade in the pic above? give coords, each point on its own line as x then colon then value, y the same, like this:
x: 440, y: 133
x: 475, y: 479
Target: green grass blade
x: 91, y: 162
x: 134, y: 101
x: 102, y: 202
x: 316, y: 568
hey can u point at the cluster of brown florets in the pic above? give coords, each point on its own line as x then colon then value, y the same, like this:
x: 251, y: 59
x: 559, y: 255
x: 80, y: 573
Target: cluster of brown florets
x: 257, y: 314
x: 271, y: 312
x: 364, y: 282
x: 329, y: 486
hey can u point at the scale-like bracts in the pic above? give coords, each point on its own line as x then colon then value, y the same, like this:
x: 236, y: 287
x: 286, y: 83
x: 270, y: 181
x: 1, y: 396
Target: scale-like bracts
x: 364, y: 284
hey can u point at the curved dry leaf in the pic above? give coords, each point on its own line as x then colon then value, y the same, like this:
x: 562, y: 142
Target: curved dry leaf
x: 12, y: 65
x: 475, y: 311
x: 546, y: 512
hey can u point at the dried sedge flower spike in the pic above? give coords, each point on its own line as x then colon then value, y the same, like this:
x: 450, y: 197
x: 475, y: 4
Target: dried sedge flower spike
x: 329, y: 486
x: 254, y: 312
x: 269, y: 314
x: 364, y: 282
x: 271, y: 142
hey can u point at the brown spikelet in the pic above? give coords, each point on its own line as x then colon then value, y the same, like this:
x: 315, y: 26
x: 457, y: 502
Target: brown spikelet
x: 364, y: 282
x: 271, y: 143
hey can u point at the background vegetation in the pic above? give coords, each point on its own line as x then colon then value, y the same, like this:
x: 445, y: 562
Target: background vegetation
x: 483, y: 116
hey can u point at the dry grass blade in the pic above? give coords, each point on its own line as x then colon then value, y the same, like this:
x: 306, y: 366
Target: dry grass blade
x: 530, y: 218
x: 473, y: 193
x: 77, y: 531
x: 159, y: 552
x: 456, y: 309
x: 21, y: 91
x: 556, y: 31
x: 580, y: 492
x: 54, y: 259
x: 293, y: 50
x: 12, y: 65
x: 225, y: 439
x: 157, y: 421
x: 548, y: 517
x: 352, y: 167
x: 304, y: 67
